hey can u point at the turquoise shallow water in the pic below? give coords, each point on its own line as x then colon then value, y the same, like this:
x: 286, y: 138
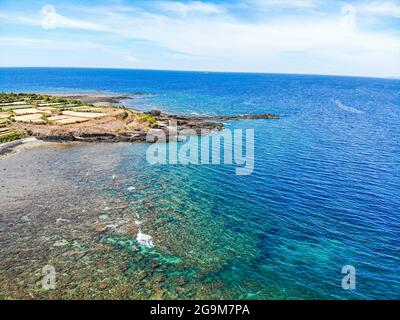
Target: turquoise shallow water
x: 324, y: 192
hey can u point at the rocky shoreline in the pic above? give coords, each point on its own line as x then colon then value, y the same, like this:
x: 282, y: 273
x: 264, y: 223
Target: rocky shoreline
x: 90, y: 118
x: 8, y: 147
x: 199, y: 125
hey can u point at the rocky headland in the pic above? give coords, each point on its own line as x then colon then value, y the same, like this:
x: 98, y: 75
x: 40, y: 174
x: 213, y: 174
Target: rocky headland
x: 94, y: 118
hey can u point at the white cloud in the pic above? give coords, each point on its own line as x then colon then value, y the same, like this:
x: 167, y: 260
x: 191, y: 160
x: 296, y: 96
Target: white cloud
x: 60, y: 21
x: 196, y: 7
x: 26, y: 42
x: 328, y: 44
x: 74, y: 46
x: 283, y: 3
x: 382, y: 8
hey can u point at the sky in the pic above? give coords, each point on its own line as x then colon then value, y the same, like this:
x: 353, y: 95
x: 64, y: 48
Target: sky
x: 359, y: 37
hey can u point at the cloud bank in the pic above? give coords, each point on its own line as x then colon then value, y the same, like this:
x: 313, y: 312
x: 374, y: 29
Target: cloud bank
x: 288, y: 36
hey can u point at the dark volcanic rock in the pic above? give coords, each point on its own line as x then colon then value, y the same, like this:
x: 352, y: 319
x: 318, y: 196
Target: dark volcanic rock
x: 154, y: 113
x: 137, y: 136
x: 202, y: 123
x: 57, y: 138
x: 103, y: 137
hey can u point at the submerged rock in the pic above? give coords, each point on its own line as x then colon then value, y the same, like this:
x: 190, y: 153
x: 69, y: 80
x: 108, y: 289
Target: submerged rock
x: 101, y: 229
x: 111, y: 228
x: 154, y: 264
x: 102, y: 286
x: 154, y: 113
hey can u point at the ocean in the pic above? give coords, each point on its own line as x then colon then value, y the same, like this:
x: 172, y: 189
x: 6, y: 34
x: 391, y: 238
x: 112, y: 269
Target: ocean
x: 324, y: 193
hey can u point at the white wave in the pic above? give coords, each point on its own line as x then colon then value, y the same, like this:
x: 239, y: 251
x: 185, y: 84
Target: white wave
x: 145, y: 239
x: 198, y: 113
x: 344, y: 107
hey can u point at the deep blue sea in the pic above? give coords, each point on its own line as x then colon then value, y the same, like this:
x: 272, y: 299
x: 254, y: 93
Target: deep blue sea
x: 325, y: 191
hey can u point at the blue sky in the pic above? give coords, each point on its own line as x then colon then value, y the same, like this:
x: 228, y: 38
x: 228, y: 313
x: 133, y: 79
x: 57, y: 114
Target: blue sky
x: 360, y: 37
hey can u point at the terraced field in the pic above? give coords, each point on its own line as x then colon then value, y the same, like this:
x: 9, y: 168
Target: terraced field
x: 57, y: 113
x: 62, y: 119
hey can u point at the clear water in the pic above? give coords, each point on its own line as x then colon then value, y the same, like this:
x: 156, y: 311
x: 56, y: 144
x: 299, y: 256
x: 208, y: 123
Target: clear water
x: 324, y: 192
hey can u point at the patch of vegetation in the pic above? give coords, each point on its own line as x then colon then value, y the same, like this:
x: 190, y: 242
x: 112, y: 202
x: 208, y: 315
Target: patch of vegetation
x: 10, y: 97
x: 121, y: 107
x: 147, y: 118
x: 12, y: 137
x: 6, y: 122
x: 44, y: 118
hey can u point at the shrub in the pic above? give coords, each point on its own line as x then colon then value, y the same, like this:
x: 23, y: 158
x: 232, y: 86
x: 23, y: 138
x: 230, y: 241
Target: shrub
x: 11, y: 137
x: 148, y: 118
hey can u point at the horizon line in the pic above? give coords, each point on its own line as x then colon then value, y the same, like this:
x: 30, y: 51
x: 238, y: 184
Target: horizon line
x: 210, y: 71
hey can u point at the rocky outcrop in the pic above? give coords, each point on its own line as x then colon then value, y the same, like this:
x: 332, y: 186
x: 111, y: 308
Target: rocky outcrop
x: 103, y: 133
x: 198, y: 124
